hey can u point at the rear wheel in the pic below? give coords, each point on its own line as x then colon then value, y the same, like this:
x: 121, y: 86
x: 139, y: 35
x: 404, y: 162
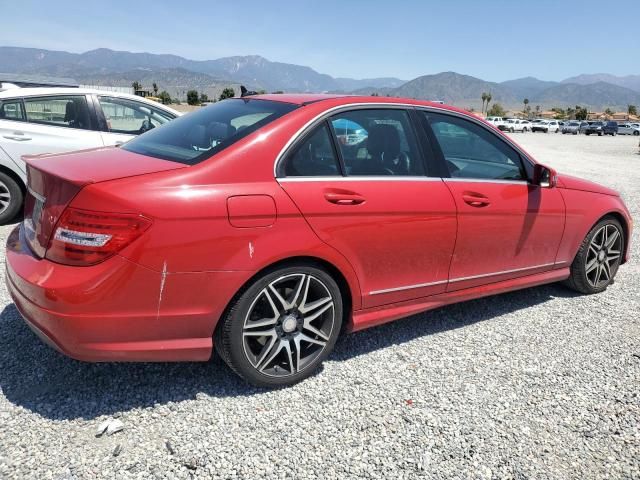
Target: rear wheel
x: 281, y: 328
x: 11, y: 198
x: 636, y: 133
x: 598, y: 258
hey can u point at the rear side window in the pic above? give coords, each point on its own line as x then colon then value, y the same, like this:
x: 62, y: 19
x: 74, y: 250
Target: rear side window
x: 62, y: 111
x: 314, y: 156
x: 11, y: 110
x: 377, y: 142
x: 129, y: 117
x: 471, y: 151
x: 199, y: 135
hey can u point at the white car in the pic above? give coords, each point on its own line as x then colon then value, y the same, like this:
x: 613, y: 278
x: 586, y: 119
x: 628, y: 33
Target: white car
x: 496, y: 121
x: 629, y: 129
x: 516, y: 125
x: 54, y: 120
x: 545, y: 126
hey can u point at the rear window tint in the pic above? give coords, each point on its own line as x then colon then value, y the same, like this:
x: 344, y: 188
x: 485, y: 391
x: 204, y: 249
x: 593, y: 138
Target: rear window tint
x: 199, y: 135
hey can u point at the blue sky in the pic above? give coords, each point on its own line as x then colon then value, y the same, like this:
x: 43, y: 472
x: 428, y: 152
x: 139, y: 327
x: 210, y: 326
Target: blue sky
x: 493, y: 39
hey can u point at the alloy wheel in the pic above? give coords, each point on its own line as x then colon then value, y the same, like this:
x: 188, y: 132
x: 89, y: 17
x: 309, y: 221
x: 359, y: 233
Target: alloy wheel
x: 5, y: 197
x: 603, y: 256
x: 288, y: 325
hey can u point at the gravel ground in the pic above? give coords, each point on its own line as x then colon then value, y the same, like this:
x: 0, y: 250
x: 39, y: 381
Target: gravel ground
x: 533, y: 384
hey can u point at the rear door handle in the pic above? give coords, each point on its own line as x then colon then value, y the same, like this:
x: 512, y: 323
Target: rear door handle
x: 343, y: 198
x: 476, y: 200
x: 17, y: 136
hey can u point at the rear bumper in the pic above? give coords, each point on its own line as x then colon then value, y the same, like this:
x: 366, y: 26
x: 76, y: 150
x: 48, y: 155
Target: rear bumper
x: 118, y: 310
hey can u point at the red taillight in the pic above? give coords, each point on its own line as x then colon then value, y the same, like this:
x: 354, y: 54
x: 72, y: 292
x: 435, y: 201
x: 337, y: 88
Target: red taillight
x: 84, y: 237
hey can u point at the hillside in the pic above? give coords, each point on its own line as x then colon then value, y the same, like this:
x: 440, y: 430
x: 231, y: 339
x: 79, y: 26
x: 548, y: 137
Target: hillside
x: 631, y: 82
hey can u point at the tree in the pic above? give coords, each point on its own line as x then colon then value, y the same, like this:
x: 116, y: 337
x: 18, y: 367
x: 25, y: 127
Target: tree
x: 136, y: 86
x: 526, y: 105
x: 560, y: 114
x: 489, y: 101
x: 155, y: 89
x: 278, y: 92
x: 608, y: 112
x: 227, y: 93
x: 204, y: 98
x: 496, y: 111
x: 581, y: 113
x: 537, y: 110
x: 164, y: 97
x: 484, y: 99
x: 632, y: 110
x: 192, y: 97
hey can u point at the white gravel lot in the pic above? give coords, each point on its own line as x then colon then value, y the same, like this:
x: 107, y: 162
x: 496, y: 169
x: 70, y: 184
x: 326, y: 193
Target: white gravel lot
x: 535, y: 384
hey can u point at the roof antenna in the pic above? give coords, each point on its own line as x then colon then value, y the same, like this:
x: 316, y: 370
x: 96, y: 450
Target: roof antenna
x: 246, y: 93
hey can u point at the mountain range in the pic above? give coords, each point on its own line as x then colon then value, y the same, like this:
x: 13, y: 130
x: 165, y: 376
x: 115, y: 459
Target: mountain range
x: 178, y: 74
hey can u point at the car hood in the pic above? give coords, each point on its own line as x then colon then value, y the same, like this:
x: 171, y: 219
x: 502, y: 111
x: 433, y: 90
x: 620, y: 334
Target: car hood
x: 574, y: 183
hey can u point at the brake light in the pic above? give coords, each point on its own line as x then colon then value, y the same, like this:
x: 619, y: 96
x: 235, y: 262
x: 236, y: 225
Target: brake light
x: 84, y: 237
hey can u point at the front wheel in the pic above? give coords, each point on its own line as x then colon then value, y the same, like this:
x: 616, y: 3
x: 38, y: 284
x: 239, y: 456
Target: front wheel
x: 598, y: 258
x: 636, y: 133
x: 281, y: 328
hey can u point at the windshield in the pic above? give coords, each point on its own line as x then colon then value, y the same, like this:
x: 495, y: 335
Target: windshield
x: 203, y: 133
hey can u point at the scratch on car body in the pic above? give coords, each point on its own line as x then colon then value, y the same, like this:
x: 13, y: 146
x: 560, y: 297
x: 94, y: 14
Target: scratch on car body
x: 163, y: 279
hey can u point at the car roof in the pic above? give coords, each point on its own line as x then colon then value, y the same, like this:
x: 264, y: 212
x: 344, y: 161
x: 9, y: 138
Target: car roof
x: 37, y: 91
x: 338, y: 99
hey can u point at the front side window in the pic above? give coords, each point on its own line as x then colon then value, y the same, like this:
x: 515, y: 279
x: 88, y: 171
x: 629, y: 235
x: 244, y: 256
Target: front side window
x: 314, y: 156
x: 62, y: 111
x: 195, y: 137
x: 471, y: 151
x: 377, y: 142
x: 130, y: 117
x: 11, y: 110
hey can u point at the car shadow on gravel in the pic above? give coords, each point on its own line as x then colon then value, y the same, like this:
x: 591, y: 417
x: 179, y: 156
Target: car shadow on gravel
x: 39, y: 379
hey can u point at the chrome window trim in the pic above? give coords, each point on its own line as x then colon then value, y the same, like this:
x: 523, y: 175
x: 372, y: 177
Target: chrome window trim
x: 460, y: 279
x: 394, y: 105
x: 486, y: 180
x: 363, y: 178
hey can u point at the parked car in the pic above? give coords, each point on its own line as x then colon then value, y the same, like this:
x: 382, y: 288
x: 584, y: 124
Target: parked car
x: 52, y: 120
x: 516, y: 125
x: 572, y: 127
x: 629, y: 129
x: 583, y: 126
x: 497, y: 122
x: 602, y: 128
x: 545, y: 126
x: 249, y: 227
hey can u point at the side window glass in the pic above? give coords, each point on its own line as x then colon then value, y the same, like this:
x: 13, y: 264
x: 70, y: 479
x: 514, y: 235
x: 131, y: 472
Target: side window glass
x: 377, y: 142
x: 129, y: 117
x: 62, y: 111
x: 11, y: 110
x: 471, y: 151
x: 314, y: 156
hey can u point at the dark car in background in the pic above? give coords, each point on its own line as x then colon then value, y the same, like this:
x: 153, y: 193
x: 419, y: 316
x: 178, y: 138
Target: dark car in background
x: 602, y: 128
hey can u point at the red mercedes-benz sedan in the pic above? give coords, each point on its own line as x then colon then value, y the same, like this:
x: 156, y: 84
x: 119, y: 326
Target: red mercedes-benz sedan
x: 266, y: 226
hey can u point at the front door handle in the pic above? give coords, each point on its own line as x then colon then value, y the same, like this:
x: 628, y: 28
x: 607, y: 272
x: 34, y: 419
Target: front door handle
x: 343, y: 198
x: 475, y: 200
x: 17, y: 136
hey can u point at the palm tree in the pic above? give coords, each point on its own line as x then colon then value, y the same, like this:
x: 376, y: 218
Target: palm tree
x: 155, y: 89
x: 526, y: 102
x: 484, y: 99
x: 488, y: 100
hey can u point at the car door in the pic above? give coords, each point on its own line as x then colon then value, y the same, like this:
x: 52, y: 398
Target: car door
x: 52, y: 124
x: 359, y: 179
x: 507, y: 227
x: 121, y: 119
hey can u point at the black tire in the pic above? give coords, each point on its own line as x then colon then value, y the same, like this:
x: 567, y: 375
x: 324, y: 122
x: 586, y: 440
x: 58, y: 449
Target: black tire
x: 578, y: 280
x: 636, y: 133
x: 11, y: 191
x: 231, y: 332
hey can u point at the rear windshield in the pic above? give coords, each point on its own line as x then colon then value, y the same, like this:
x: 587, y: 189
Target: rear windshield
x: 203, y: 133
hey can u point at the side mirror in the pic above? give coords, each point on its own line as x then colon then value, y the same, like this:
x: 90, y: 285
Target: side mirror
x: 544, y: 176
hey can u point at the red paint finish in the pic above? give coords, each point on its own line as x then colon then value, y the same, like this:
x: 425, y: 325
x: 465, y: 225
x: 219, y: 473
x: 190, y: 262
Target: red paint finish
x: 249, y: 211
x: 401, y: 245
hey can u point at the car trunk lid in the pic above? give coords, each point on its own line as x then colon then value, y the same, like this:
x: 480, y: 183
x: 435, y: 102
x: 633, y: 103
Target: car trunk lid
x: 54, y: 180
